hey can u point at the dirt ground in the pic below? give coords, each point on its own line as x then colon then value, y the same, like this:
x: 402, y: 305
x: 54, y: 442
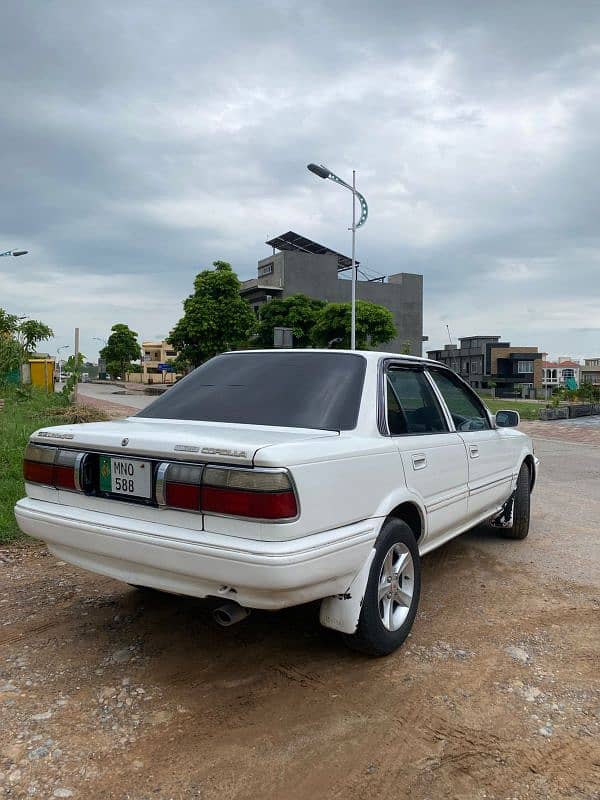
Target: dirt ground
x: 109, y: 692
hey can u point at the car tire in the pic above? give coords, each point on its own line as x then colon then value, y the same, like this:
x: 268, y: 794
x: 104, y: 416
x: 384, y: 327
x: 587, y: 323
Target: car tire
x: 522, y: 506
x: 386, y: 617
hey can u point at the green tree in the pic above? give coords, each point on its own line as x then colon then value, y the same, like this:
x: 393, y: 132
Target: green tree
x: 8, y: 323
x: 11, y: 355
x: 18, y: 340
x: 121, y: 349
x: 374, y: 325
x: 298, y: 312
x: 215, y: 317
x: 31, y: 333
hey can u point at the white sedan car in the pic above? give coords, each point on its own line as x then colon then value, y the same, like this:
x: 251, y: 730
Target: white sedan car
x: 272, y: 478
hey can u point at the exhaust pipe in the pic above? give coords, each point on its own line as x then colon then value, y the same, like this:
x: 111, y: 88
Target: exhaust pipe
x: 230, y: 613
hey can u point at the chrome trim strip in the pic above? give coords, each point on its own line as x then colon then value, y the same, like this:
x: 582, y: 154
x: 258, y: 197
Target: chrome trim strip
x: 381, y: 404
x: 490, y: 485
x: 448, y: 501
x: 78, y: 470
x: 160, y: 483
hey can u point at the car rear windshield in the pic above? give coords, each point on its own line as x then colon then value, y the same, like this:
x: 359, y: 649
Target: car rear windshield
x: 297, y: 390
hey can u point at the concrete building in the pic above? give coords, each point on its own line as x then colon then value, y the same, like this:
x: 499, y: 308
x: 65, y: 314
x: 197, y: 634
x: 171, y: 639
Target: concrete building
x: 563, y: 372
x: 485, y: 360
x: 153, y: 354
x: 590, y: 371
x: 300, y: 266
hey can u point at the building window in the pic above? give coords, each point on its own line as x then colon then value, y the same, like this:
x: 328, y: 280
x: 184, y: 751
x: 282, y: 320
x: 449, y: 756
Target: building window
x: 568, y: 373
x: 475, y: 366
x: 524, y: 367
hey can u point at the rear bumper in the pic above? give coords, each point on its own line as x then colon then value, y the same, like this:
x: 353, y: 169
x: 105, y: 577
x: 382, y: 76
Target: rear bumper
x: 256, y: 574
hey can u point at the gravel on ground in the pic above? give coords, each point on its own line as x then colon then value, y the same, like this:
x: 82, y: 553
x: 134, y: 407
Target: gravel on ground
x: 111, y: 693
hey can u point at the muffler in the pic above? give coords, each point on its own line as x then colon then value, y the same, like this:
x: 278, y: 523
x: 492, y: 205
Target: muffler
x: 230, y: 613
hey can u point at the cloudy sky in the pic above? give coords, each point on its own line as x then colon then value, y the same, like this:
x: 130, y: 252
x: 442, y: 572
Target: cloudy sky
x: 140, y: 141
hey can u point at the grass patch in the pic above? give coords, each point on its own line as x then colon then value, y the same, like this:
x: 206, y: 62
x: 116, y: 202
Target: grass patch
x: 24, y: 412
x: 527, y: 410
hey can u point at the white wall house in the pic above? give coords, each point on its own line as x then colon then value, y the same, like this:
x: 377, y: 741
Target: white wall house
x: 556, y: 373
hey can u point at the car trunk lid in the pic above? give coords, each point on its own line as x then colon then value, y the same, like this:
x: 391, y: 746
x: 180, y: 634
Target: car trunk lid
x: 213, y: 442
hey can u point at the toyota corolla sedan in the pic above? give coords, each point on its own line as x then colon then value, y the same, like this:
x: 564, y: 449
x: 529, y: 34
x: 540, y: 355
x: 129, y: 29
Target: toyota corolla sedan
x: 268, y: 479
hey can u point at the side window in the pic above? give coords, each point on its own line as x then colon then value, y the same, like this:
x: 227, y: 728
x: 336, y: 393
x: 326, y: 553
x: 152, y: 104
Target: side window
x: 465, y: 407
x: 411, y: 403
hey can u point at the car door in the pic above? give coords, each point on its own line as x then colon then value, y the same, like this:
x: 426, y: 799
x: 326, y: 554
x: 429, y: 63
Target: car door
x: 433, y: 456
x: 490, y: 455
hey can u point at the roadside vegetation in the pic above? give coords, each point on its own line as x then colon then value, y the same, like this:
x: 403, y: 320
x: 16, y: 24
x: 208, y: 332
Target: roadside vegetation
x: 26, y: 410
x: 527, y: 409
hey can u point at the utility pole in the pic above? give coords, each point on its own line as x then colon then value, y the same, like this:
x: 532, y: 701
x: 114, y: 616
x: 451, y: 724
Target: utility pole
x: 76, y: 367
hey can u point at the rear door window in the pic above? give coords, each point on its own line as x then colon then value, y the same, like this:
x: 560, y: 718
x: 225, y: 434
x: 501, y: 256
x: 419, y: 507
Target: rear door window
x: 412, y: 407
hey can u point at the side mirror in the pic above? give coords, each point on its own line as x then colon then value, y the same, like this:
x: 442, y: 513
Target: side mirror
x: 507, y: 419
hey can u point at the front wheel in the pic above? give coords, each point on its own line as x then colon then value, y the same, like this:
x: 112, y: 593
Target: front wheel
x: 392, y: 594
x: 522, y: 506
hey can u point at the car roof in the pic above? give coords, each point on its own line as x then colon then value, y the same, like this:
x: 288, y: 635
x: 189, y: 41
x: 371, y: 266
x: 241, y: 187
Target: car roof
x: 370, y: 355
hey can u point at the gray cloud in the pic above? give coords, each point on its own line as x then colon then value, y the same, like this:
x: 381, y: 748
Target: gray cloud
x: 142, y: 141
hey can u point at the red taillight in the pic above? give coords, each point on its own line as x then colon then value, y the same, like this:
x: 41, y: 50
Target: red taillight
x: 64, y: 477
x: 182, y: 495
x: 53, y: 467
x: 34, y: 472
x: 253, y: 493
x: 178, y: 486
x: 233, y: 491
x: 257, y: 505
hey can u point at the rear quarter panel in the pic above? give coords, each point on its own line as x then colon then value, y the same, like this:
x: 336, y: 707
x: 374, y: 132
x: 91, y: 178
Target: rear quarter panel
x: 338, y: 482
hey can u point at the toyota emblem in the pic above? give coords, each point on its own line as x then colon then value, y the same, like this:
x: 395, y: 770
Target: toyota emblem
x: 125, y: 442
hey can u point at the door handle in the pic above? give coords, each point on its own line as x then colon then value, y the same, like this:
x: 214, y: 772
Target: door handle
x: 473, y: 451
x: 419, y: 460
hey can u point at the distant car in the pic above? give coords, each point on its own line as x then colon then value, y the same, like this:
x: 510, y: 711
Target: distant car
x: 272, y: 478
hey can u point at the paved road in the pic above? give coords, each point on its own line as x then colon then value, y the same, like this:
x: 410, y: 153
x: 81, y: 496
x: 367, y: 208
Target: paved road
x: 114, y: 394
x: 590, y: 422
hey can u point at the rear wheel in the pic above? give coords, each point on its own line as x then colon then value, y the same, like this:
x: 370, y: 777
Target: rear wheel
x: 522, y: 506
x: 392, y: 595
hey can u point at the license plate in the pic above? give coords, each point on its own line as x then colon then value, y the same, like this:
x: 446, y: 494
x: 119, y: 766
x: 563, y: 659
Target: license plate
x: 127, y: 476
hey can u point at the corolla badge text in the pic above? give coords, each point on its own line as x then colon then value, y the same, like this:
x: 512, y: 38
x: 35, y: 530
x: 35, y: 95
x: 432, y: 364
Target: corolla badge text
x: 221, y: 451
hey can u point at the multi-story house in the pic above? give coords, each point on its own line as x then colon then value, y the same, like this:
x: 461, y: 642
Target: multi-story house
x: 153, y: 355
x: 485, y: 361
x: 564, y: 372
x: 590, y: 371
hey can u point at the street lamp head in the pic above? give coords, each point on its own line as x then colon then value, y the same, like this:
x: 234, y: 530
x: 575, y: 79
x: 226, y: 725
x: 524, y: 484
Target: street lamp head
x: 319, y: 170
x: 20, y: 252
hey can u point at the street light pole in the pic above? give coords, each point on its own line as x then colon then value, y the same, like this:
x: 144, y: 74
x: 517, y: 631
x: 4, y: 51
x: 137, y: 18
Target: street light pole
x: 353, y: 317
x: 62, y: 347
x: 323, y: 172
